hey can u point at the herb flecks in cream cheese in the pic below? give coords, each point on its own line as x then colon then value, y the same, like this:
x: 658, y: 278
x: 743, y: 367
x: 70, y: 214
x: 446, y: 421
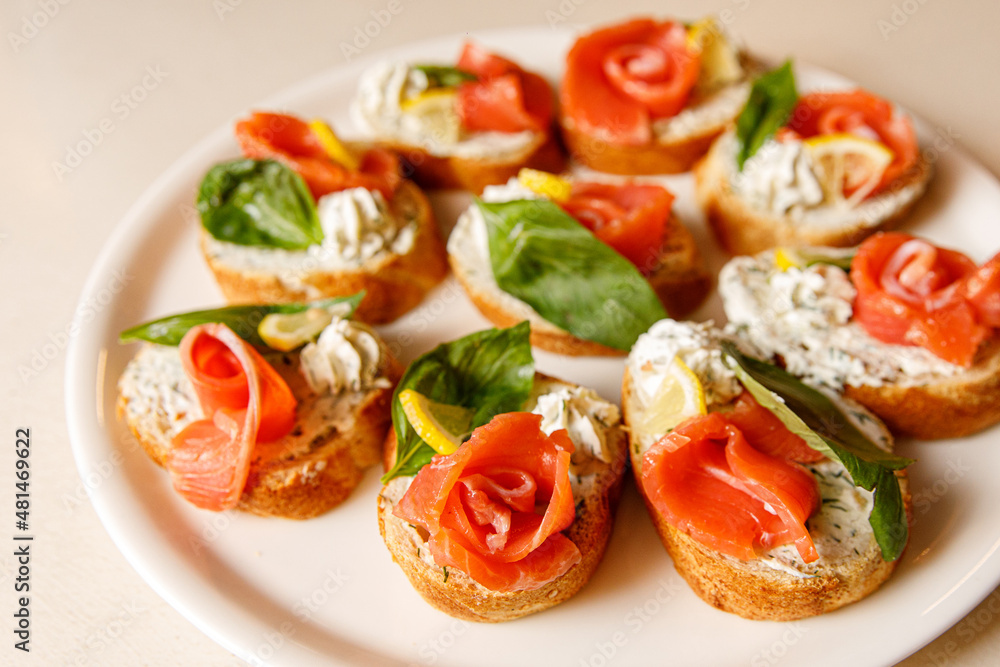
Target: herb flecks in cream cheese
x: 803, y: 316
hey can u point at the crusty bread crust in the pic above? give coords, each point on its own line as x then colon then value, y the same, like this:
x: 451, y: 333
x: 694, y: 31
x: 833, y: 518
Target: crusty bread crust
x: 393, y: 284
x: 744, y: 230
x: 474, y: 174
x: 680, y: 280
x: 458, y: 595
x: 656, y: 157
x: 753, y: 592
x: 308, y: 472
x: 951, y: 407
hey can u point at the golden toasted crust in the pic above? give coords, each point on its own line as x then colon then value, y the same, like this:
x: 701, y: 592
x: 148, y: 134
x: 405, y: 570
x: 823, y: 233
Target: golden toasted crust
x: 309, y: 471
x: 680, y: 280
x: 744, y: 230
x: 393, y: 283
x: 753, y: 592
x: 474, y: 174
x: 948, y: 408
x: 461, y: 597
x: 655, y: 157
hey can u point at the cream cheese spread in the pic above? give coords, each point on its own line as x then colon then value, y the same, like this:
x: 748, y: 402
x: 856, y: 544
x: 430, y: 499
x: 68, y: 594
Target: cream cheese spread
x: 804, y: 316
x: 379, y: 109
x: 345, y: 357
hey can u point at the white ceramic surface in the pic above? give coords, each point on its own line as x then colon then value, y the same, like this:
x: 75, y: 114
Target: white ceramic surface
x: 291, y: 593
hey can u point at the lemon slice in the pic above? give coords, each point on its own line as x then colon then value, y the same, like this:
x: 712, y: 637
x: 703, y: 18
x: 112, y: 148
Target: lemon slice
x: 436, y: 109
x: 440, y: 425
x: 546, y: 184
x: 337, y: 151
x: 786, y: 258
x: 287, y: 331
x: 679, y: 397
x: 848, y: 163
x: 720, y: 61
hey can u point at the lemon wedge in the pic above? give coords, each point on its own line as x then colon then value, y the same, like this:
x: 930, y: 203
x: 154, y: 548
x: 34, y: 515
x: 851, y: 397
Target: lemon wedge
x: 287, y: 331
x: 786, y: 258
x: 720, y: 61
x: 333, y: 146
x: 546, y: 184
x: 848, y: 163
x: 440, y: 425
x: 679, y: 397
x: 436, y: 109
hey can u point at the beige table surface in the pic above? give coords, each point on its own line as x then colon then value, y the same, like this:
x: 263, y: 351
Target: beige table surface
x: 64, y: 64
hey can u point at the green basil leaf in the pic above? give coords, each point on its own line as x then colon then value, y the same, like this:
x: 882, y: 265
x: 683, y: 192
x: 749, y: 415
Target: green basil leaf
x: 241, y: 319
x: 811, y: 415
x: 439, y: 76
x: 489, y: 371
x: 772, y: 98
x: 544, y: 257
x: 258, y: 203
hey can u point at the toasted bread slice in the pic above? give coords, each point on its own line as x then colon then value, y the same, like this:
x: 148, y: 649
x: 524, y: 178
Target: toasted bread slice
x: 393, y: 283
x: 744, y: 229
x: 595, y: 492
x: 670, y: 154
x: 950, y: 407
x: 306, y: 473
x: 915, y: 393
x: 677, y: 143
x: 475, y: 173
x: 765, y: 588
x: 680, y: 280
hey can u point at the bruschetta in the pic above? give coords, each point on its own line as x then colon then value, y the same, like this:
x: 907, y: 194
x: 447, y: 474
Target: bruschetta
x: 241, y: 425
x: 904, y: 327
x: 824, y: 168
x: 502, y: 483
x: 648, y: 96
x: 464, y: 126
x: 305, y: 216
x: 590, y: 264
x: 760, y: 487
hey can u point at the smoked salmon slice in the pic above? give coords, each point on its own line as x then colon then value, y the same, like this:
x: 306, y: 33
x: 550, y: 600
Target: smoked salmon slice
x: 910, y: 292
x: 494, y: 508
x: 504, y: 97
x: 630, y: 218
x: 766, y: 432
x: 244, y: 401
x: 620, y: 78
x: 706, y: 480
x: 863, y: 114
x: 290, y: 140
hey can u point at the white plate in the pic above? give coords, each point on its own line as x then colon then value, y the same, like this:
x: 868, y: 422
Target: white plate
x: 326, y: 590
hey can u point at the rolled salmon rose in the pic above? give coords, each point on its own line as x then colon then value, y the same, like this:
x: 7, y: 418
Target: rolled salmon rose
x: 244, y: 401
x: 911, y: 292
x: 494, y: 509
x: 618, y: 79
x: 707, y: 481
x: 630, y: 218
x: 862, y: 114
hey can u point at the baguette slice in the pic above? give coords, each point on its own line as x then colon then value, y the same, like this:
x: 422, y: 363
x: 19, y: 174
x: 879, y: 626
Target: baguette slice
x: 744, y: 229
x: 457, y: 595
x: 754, y: 589
x: 393, y: 283
x: 680, y: 281
x: 913, y: 392
x: 309, y: 471
x: 475, y: 173
x: 951, y: 407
